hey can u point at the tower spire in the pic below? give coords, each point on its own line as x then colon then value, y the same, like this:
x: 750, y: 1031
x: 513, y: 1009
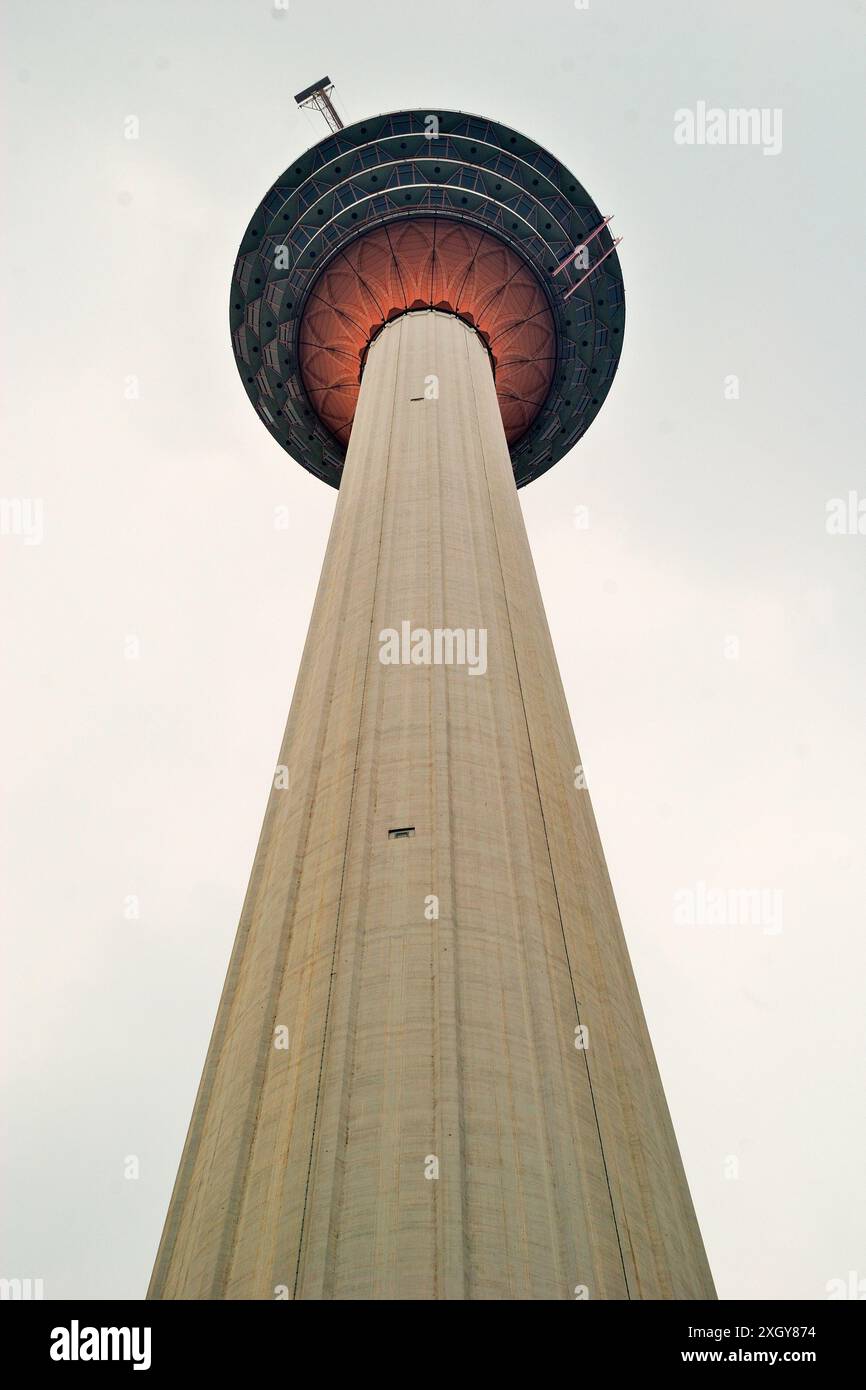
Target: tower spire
x: 318, y: 98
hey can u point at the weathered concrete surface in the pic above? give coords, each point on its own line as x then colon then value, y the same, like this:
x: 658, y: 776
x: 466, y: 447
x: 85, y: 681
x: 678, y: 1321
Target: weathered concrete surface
x: 412, y: 1039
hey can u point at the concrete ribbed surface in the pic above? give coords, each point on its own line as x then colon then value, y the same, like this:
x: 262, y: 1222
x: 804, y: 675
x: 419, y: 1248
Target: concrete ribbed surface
x: 410, y: 1038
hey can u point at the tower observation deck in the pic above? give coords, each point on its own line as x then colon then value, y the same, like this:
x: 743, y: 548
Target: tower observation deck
x: 430, y: 1076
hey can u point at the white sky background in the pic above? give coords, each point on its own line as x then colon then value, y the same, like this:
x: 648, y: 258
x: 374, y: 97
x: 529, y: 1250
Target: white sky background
x: 707, y: 520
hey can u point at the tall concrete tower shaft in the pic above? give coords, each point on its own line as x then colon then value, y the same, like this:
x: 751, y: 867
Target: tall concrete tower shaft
x: 430, y: 1075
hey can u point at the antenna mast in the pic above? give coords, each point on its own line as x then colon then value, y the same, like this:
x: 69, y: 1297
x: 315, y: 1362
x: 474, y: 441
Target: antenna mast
x: 318, y: 98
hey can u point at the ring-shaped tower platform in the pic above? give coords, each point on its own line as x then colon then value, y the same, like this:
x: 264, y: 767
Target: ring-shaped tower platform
x: 427, y: 209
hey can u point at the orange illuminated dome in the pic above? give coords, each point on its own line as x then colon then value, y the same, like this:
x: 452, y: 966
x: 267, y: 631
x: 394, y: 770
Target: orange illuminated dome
x: 427, y: 263
x: 417, y: 211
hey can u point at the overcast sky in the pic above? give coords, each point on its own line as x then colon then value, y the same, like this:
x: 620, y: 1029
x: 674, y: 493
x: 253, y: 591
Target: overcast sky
x: 709, y: 628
